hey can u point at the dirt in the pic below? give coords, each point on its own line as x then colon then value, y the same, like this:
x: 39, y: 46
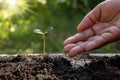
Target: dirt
x: 45, y: 67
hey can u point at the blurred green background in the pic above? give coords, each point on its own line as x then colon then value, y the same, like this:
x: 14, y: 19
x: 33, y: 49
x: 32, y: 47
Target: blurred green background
x: 18, y: 19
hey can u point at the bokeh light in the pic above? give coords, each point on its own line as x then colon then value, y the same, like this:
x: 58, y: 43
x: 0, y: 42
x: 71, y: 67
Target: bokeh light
x: 42, y: 1
x: 13, y: 7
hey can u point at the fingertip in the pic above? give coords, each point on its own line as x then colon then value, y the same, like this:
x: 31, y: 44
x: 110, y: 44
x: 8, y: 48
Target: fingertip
x: 70, y: 40
x: 64, y: 43
x: 79, y: 29
x: 73, y: 54
x: 67, y: 41
x: 70, y: 54
x: 75, y: 51
x: 68, y: 47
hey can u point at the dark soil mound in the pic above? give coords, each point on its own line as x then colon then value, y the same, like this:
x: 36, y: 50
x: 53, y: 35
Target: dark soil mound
x: 38, y: 67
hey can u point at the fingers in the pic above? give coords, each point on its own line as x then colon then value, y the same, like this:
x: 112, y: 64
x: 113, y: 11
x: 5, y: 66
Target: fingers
x: 98, y: 42
x: 74, y: 49
x: 90, y: 19
x: 77, y: 49
x: 91, y: 44
x: 76, y: 38
x: 68, y: 47
x: 79, y: 37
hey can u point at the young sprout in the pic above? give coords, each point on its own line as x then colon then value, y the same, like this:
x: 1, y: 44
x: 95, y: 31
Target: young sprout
x: 39, y: 31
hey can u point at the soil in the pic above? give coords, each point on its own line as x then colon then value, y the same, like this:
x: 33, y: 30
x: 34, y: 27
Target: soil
x: 46, y: 67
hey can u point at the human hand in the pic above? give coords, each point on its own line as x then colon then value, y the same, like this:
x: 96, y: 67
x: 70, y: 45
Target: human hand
x: 99, y: 27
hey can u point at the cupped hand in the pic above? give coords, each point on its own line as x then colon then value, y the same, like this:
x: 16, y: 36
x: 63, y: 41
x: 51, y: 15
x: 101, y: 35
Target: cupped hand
x: 98, y: 28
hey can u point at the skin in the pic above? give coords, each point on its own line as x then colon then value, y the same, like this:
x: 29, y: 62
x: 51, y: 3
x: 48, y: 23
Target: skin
x: 98, y: 28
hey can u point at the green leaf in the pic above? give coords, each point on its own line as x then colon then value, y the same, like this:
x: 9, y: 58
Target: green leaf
x: 38, y: 31
x: 49, y: 29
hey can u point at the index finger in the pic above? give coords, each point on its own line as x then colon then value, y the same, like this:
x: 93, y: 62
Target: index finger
x: 83, y: 36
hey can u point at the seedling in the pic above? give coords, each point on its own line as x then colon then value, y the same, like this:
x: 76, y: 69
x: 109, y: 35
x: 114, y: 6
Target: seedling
x: 39, y: 31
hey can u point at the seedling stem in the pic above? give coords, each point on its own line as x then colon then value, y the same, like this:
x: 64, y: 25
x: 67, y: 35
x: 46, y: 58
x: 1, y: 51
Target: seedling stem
x: 38, y: 31
x: 44, y: 43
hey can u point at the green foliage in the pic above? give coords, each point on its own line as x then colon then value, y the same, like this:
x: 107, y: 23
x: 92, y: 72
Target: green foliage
x: 16, y: 31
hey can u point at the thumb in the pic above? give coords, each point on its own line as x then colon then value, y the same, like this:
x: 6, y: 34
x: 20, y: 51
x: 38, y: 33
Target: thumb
x: 90, y: 19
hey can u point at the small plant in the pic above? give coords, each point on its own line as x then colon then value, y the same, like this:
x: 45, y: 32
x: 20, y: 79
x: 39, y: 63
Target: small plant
x: 39, y: 31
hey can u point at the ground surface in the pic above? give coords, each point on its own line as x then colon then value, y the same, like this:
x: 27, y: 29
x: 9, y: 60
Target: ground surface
x: 37, y: 67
